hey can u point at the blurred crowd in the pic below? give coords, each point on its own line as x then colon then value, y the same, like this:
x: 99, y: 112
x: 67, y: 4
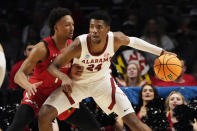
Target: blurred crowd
x: 170, y: 24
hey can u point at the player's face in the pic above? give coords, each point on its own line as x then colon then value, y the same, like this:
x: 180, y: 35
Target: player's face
x: 147, y: 93
x: 98, y: 30
x: 174, y: 100
x: 132, y: 71
x: 65, y: 27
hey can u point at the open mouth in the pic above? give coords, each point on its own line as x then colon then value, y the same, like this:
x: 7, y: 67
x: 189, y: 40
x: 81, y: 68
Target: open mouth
x: 174, y: 105
x: 95, y: 36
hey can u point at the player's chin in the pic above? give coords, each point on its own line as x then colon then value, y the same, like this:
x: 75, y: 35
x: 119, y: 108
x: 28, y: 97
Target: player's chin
x: 70, y: 36
x: 96, y: 41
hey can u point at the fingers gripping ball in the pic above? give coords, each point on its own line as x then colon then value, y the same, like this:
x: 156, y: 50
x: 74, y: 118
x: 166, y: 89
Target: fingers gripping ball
x: 167, y: 67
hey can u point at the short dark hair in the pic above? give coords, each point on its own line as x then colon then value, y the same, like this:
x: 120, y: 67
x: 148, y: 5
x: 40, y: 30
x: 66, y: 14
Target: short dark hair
x: 30, y: 42
x: 55, y: 15
x: 101, y: 15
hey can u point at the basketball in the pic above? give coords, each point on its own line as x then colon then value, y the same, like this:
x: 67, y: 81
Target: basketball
x: 167, y: 67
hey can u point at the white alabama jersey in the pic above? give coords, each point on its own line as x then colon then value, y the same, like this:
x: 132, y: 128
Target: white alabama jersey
x: 96, y: 67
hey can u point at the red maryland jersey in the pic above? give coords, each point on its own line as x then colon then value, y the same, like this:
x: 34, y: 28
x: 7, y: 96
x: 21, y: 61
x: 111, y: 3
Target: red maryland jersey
x: 50, y: 83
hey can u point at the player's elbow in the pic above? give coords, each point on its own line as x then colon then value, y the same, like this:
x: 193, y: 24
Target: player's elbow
x: 51, y: 67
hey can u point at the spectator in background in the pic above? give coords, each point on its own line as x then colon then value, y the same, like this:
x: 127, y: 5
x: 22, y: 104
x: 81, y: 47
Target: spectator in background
x: 133, y: 75
x: 28, y: 47
x: 186, y: 36
x: 183, y: 80
x: 174, y: 100
x: 15, y: 88
x: 131, y: 25
x: 150, y: 108
x: 10, y: 40
x: 154, y: 34
x: 32, y: 30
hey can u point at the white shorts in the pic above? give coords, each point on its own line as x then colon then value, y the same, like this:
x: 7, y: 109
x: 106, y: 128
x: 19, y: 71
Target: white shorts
x: 101, y: 91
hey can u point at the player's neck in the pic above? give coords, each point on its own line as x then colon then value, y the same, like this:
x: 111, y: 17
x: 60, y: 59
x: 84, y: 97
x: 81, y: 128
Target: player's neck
x: 59, y: 42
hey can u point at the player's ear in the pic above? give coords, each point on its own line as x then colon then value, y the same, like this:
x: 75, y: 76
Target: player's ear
x: 55, y: 27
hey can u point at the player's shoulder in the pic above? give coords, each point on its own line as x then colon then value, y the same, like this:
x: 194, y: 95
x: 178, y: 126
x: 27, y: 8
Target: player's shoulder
x: 40, y: 47
x: 76, y: 44
x: 39, y: 52
x: 120, y: 37
x: 1, y: 48
x: 118, y: 34
x: 82, y: 39
x: 83, y: 36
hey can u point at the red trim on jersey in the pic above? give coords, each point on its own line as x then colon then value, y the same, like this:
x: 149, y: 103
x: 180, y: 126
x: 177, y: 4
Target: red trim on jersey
x: 113, y: 94
x: 96, y: 54
x: 66, y: 114
x: 69, y: 98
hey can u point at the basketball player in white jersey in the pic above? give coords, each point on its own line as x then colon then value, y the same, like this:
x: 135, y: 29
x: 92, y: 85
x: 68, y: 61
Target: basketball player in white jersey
x: 94, y: 51
x: 2, y: 65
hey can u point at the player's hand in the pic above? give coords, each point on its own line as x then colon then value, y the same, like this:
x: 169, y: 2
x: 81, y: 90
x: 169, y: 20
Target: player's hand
x: 76, y: 71
x: 166, y: 52
x: 67, y: 84
x: 31, y: 89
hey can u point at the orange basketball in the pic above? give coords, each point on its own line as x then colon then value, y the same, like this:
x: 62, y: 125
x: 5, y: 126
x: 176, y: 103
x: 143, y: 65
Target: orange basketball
x: 167, y: 67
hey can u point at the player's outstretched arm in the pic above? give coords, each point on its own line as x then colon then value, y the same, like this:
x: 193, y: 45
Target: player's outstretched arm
x: 38, y: 53
x: 69, y: 53
x: 2, y: 65
x: 137, y: 43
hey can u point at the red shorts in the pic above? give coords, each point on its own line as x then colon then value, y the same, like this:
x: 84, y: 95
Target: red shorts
x: 37, y: 100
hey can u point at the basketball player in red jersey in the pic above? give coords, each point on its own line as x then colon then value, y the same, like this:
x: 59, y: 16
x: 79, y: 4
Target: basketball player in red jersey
x: 94, y: 51
x: 41, y: 84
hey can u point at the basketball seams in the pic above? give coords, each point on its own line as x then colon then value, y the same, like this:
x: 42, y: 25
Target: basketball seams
x: 172, y: 64
x: 167, y: 64
x: 159, y: 66
x: 170, y: 59
x: 164, y: 68
x: 171, y: 70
